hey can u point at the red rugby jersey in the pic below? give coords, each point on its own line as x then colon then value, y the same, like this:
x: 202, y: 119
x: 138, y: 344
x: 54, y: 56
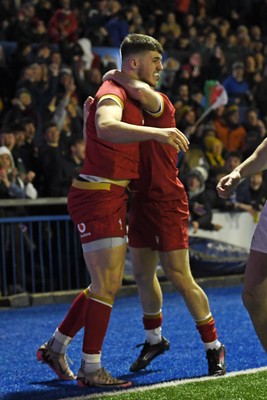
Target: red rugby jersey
x: 158, y: 162
x: 106, y: 159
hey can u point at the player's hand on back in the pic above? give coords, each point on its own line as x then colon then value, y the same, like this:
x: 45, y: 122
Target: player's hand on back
x: 174, y: 137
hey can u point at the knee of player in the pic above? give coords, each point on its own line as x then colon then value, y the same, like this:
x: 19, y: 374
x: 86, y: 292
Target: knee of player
x: 183, y: 282
x: 253, y: 300
x: 109, y: 288
x: 144, y: 278
x: 247, y: 298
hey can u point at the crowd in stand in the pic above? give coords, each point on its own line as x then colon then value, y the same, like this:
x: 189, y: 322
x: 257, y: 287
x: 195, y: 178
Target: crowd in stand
x: 48, y: 67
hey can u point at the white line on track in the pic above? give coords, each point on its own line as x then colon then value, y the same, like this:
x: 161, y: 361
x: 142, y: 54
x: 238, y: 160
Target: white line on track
x: 165, y: 384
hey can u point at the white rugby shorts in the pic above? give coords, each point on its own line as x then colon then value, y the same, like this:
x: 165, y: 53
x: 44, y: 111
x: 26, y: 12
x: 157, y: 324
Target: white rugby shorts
x: 259, y: 239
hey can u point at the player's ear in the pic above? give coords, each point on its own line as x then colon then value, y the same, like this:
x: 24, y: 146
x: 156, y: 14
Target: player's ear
x: 133, y: 63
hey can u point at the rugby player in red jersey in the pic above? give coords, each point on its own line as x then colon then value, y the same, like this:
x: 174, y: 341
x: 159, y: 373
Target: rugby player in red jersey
x: 97, y: 205
x: 158, y: 230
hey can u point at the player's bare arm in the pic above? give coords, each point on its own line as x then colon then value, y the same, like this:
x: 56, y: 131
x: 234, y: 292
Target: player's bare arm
x: 150, y: 100
x: 255, y: 163
x: 110, y: 127
x: 138, y: 90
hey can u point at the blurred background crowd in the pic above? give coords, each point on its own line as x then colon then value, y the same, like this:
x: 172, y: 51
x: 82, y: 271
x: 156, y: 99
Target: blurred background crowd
x: 49, y: 66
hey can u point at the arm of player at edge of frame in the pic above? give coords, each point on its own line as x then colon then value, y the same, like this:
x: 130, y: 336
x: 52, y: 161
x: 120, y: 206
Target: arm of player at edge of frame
x: 256, y: 162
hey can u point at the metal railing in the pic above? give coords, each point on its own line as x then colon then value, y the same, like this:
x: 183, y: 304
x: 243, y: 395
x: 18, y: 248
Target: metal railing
x: 40, y: 253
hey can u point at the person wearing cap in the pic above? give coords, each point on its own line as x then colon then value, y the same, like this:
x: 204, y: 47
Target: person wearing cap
x: 236, y: 86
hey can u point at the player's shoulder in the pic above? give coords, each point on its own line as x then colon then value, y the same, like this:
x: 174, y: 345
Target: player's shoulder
x: 111, y: 90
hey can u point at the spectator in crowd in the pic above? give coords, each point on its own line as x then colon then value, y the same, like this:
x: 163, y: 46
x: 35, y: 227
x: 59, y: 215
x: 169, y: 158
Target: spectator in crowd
x: 12, y: 186
x: 198, y: 102
x: 230, y: 49
x: 84, y: 57
x: 216, y: 67
x: 67, y: 113
x: 181, y: 95
x: 45, y: 10
x: 19, y: 133
x: 223, y: 27
x: 22, y: 107
x: 86, y: 70
x: 208, y: 47
x: 7, y: 138
x: 56, y: 59
x: 170, y: 28
x: 20, y: 24
x: 36, y: 28
x: 232, y: 160
x: 51, y: 173
x: 90, y: 85
x: 200, y: 207
x: 19, y: 58
x: 171, y: 66
x: 262, y: 17
x: 186, y: 119
x: 39, y: 32
x: 230, y: 131
x: 37, y: 83
x: 29, y: 149
x: 95, y: 24
x: 237, y: 87
x: 213, y: 153
x: 42, y: 53
x: 259, y: 93
x: 255, y: 131
x: 136, y: 21
x: 243, y: 41
x: 7, y: 13
x: 117, y: 26
x: 63, y: 26
x: 251, y: 195
x: 194, y: 67
x: 13, y: 139
x: 6, y: 88
x: 251, y: 68
x: 74, y: 158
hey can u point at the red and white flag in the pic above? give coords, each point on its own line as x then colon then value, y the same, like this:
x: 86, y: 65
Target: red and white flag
x: 215, y: 95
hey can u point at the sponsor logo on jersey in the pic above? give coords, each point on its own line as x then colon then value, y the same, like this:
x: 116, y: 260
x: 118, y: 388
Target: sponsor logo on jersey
x: 82, y: 229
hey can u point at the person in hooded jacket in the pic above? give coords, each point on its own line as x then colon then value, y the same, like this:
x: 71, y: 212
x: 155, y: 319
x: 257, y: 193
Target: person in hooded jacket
x: 13, y: 187
x: 199, y: 205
